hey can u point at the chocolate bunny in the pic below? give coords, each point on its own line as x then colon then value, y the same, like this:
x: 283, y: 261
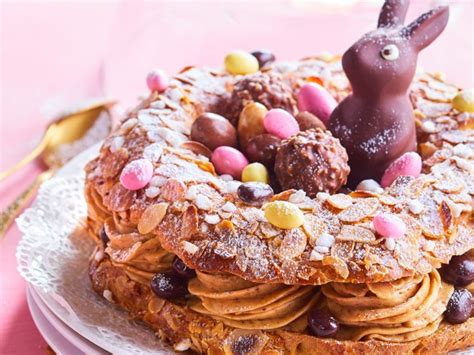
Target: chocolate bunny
x: 375, y: 123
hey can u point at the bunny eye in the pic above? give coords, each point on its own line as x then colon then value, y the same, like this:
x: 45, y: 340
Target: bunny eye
x: 390, y: 52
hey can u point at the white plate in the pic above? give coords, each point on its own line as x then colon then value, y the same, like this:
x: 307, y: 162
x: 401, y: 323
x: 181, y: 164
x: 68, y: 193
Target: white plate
x: 61, y: 338
x: 55, y: 340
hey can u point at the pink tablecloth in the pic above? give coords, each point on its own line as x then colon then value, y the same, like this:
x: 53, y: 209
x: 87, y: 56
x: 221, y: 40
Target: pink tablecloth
x: 55, y: 53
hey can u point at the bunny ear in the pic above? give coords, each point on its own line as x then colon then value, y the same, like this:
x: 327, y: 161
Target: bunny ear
x: 426, y: 28
x: 393, y: 13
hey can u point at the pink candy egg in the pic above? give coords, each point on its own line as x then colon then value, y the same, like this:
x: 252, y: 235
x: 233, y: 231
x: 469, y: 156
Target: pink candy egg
x: 136, y: 174
x: 389, y: 225
x: 280, y: 123
x: 228, y: 160
x: 409, y: 164
x: 157, y: 80
x: 315, y: 99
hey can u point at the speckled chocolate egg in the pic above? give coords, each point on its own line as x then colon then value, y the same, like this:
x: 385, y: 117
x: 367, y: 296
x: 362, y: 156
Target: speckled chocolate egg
x: 264, y: 57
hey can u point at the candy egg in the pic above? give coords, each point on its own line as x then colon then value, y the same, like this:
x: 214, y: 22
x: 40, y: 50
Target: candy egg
x: 321, y: 323
x: 228, y: 160
x: 280, y: 123
x: 464, y: 101
x: 459, y: 271
x: 315, y: 99
x: 168, y: 285
x: 409, y: 164
x: 254, y: 192
x: 284, y: 215
x: 136, y: 174
x: 389, y: 225
x: 251, y: 122
x: 157, y: 80
x: 213, y: 131
x: 255, y: 172
x: 459, y: 307
x: 241, y: 62
x: 264, y: 57
x: 263, y: 149
x: 307, y: 120
x: 182, y: 269
x: 369, y: 185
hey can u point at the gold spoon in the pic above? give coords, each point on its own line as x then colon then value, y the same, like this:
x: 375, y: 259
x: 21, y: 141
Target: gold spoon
x: 63, y: 131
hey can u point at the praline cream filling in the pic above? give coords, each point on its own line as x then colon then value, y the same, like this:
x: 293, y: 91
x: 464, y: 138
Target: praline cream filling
x: 140, y: 256
x: 247, y: 305
x: 398, y: 311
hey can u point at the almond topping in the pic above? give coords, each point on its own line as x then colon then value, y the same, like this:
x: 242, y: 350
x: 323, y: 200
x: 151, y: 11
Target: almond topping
x: 340, y: 201
x: 152, y: 217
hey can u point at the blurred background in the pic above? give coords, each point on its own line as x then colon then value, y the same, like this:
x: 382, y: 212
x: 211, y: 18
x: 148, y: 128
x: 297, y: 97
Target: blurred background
x: 55, y: 54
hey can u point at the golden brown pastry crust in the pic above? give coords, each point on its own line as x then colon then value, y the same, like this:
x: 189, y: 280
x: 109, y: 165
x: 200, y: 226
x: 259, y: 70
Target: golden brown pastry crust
x: 243, y: 243
x: 176, y: 323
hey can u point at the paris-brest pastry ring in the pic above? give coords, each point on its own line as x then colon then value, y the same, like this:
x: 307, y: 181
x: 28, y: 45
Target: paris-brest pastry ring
x: 291, y: 260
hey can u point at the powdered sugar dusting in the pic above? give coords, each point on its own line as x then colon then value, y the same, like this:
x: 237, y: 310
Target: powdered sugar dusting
x: 380, y: 142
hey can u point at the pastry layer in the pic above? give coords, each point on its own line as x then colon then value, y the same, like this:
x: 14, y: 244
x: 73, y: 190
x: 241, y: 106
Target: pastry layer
x: 186, y: 329
x: 242, y: 242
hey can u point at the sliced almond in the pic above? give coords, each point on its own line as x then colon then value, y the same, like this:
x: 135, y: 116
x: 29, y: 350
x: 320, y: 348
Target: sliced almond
x: 356, y: 234
x: 449, y: 184
x: 436, y: 95
x: 197, y: 148
x: 313, y: 227
x: 388, y: 200
x: 340, y: 201
x: 427, y: 149
x: 338, y: 264
x: 152, y: 217
x: 431, y: 223
x: 361, y: 209
x: 292, y: 245
x: 457, y: 136
x: 268, y: 230
x: 446, y: 216
x: 173, y: 190
x: 119, y: 199
x: 112, y: 163
x: 156, y: 305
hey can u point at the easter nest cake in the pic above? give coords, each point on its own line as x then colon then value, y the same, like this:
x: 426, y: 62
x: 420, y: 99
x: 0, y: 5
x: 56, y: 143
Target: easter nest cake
x: 284, y: 254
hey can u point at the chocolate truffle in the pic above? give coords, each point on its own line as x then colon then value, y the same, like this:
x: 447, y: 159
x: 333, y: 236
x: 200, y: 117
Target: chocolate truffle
x: 266, y: 88
x: 313, y: 161
x: 213, y: 131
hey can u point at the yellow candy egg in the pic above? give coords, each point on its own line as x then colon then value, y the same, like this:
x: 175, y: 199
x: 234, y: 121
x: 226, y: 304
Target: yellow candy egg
x: 251, y: 122
x: 464, y: 101
x: 283, y: 214
x: 240, y: 62
x: 255, y: 172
